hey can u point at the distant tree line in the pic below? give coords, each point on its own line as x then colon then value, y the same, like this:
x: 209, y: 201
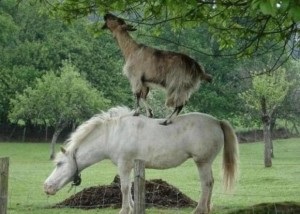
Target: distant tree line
x: 77, y: 69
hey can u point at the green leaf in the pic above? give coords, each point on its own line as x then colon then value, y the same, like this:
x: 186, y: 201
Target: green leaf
x: 294, y: 13
x: 266, y: 8
x: 255, y: 4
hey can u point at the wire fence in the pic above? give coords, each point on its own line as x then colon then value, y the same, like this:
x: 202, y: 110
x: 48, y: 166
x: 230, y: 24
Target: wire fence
x: 256, y: 185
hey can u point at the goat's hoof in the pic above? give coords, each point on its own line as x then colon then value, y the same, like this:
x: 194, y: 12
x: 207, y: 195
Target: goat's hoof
x: 165, y: 123
x: 136, y: 114
x: 150, y: 114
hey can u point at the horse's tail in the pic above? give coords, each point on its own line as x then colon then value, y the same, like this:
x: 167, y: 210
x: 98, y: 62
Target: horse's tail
x: 230, y: 155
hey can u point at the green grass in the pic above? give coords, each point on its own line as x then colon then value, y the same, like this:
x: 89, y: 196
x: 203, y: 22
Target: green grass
x: 29, y: 166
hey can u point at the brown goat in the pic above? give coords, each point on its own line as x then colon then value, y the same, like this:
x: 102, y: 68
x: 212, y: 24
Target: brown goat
x: 144, y: 66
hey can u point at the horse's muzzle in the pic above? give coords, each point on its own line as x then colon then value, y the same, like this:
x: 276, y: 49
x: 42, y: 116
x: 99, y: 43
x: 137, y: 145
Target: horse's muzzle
x: 49, y: 190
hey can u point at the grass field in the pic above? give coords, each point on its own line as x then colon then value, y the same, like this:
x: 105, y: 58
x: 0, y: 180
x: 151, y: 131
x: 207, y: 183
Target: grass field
x: 29, y: 166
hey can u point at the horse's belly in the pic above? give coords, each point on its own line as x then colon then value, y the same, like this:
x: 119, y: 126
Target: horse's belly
x: 165, y: 161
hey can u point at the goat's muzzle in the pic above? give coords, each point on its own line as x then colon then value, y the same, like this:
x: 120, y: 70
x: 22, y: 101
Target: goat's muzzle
x: 106, y: 17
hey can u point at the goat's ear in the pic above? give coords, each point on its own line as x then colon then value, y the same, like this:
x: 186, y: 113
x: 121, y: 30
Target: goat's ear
x: 128, y: 27
x: 63, y: 150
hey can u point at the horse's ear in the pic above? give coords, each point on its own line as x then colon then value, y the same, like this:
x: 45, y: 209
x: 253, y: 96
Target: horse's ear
x: 63, y: 150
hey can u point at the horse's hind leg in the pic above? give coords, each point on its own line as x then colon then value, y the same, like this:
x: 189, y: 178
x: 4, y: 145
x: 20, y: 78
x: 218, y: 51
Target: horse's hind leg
x: 207, y: 182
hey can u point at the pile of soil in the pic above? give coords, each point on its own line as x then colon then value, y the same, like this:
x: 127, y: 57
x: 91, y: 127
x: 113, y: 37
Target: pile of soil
x: 272, y: 208
x: 158, y: 194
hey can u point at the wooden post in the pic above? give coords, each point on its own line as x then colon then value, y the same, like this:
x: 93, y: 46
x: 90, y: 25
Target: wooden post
x: 4, y: 164
x: 139, y: 187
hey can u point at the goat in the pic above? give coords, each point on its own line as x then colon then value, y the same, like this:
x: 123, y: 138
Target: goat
x: 144, y: 66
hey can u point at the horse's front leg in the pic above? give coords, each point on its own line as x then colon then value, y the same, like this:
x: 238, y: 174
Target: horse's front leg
x: 127, y: 201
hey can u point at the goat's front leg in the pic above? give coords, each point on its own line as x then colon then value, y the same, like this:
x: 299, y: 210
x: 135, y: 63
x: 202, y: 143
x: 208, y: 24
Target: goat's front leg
x: 138, y: 106
x: 142, y: 95
x: 149, y: 111
x: 145, y: 91
x: 137, y: 89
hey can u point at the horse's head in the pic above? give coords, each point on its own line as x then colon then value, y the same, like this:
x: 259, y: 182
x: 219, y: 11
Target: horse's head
x: 65, y: 171
x: 114, y: 23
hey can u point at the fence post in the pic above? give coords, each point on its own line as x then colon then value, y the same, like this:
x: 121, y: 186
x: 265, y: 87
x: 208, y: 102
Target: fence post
x: 139, y: 187
x: 4, y: 164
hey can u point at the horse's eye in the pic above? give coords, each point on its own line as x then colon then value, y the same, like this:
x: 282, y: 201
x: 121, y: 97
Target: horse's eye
x: 59, y: 164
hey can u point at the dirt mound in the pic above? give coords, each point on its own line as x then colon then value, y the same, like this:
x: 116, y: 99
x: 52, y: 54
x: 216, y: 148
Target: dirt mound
x: 272, y: 208
x: 158, y: 194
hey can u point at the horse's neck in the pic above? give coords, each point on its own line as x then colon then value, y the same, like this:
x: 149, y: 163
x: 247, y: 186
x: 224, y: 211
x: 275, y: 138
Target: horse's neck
x: 89, y: 154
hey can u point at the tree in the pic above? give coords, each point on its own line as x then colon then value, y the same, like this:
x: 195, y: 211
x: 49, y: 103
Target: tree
x: 289, y: 110
x: 12, y: 81
x: 58, y: 99
x: 267, y: 93
x: 245, y: 27
x: 32, y: 44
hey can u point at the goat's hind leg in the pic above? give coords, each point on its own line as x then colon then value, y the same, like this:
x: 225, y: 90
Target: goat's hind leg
x: 175, y: 98
x: 174, y: 114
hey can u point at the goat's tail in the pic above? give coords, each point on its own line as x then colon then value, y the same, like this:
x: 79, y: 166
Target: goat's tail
x: 203, y: 75
x: 207, y: 77
x: 230, y: 155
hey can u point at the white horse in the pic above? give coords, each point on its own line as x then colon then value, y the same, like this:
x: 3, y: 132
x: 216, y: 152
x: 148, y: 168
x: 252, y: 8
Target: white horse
x: 119, y: 136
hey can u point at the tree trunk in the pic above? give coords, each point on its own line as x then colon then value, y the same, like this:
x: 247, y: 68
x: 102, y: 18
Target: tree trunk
x: 46, y: 132
x: 295, y: 128
x: 24, y: 134
x: 272, y: 128
x: 272, y: 148
x: 268, y: 145
x: 267, y: 134
x: 57, y: 132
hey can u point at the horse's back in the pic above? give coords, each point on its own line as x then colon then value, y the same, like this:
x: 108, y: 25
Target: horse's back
x: 206, y: 136
x: 194, y: 135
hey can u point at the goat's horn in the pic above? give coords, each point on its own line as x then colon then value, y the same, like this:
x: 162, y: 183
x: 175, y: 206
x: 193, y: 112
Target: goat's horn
x: 130, y: 28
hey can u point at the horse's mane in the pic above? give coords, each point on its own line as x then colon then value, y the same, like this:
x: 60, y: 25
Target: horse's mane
x: 76, y: 138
